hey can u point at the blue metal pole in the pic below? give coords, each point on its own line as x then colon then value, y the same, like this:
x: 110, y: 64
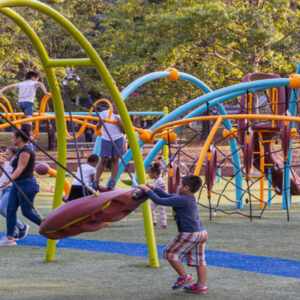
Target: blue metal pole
x: 286, y: 191
x: 97, y: 145
x: 142, y: 80
x: 227, y: 93
x: 236, y: 162
x: 286, y: 184
x: 197, y: 112
x: 219, y: 175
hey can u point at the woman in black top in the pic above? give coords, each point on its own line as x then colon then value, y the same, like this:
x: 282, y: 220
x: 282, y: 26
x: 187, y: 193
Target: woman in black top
x: 23, y: 167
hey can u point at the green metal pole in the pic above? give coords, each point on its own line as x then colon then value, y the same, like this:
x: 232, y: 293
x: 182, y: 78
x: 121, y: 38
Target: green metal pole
x: 106, y: 77
x: 59, y: 114
x: 61, y: 151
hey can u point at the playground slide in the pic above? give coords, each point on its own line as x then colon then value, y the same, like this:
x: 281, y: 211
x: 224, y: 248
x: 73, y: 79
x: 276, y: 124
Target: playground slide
x: 277, y: 171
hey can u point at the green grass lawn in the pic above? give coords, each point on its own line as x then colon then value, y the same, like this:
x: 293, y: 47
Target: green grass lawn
x: 91, y: 275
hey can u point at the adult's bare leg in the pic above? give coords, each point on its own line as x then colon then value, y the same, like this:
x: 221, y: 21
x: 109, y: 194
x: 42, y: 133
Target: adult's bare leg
x: 115, y: 167
x: 101, y: 167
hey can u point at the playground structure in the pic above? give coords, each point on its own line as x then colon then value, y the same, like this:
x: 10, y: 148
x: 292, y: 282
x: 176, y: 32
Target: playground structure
x: 256, y: 139
x: 261, y: 154
x: 84, y: 119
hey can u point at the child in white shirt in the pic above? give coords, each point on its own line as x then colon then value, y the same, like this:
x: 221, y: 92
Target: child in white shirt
x: 27, y: 90
x: 88, y: 174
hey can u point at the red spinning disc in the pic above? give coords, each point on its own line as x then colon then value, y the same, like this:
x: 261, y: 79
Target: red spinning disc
x: 88, y: 214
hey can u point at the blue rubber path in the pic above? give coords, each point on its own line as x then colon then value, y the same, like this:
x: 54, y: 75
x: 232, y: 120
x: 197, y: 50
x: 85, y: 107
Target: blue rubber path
x: 238, y: 261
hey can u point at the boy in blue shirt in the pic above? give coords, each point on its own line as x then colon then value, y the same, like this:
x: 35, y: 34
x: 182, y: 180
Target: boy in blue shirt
x: 189, y: 244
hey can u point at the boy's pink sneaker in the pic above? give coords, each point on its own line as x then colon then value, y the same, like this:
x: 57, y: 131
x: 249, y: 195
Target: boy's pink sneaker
x: 195, y: 288
x: 181, y: 281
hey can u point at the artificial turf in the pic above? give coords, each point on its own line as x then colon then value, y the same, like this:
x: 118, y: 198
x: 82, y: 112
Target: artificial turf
x: 79, y: 274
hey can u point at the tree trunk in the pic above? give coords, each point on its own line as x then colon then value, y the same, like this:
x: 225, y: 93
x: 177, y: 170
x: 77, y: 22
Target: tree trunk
x: 51, y: 129
x: 205, y: 129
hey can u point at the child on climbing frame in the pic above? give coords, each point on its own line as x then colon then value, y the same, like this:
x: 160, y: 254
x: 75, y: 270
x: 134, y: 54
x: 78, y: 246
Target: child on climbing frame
x: 190, y: 242
x: 154, y: 172
x: 27, y: 90
x: 88, y: 174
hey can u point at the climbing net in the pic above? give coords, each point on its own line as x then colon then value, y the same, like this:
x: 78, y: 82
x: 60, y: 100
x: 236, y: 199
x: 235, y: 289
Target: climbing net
x: 245, y: 168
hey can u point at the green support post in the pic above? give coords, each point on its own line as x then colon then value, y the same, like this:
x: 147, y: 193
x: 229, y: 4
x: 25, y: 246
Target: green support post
x: 92, y: 60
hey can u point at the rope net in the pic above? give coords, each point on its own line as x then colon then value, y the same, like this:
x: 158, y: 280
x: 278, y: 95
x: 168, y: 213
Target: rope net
x: 263, y: 185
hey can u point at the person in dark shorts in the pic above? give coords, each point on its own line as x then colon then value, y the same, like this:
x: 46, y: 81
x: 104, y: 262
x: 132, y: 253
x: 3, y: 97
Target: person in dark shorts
x: 108, y: 150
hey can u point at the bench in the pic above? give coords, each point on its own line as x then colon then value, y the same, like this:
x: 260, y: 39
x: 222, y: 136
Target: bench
x: 71, y: 145
x: 81, y: 146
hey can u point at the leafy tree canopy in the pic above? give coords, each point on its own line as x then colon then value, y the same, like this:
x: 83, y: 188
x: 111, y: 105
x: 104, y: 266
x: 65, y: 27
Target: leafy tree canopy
x: 216, y: 41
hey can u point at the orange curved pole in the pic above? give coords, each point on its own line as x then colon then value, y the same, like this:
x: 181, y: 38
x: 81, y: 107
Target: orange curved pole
x: 40, y: 116
x: 44, y: 102
x: 182, y: 122
x: 42, y: 110
x: 5, y: 111
x: 9, y: 106
x: 67, y: 186
x: 172, y: 126
x: 206, y: 145
x: 82, y: 128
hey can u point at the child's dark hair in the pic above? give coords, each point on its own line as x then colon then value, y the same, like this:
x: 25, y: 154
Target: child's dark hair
x: 13, y: 150
x: 24, y: 133
x: 31, y: 74
x: 155, y: 168
x: 193, y: 182
x: 93, y: 158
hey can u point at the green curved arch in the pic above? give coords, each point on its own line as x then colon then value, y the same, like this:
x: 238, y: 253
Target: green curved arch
x: 92, y: 60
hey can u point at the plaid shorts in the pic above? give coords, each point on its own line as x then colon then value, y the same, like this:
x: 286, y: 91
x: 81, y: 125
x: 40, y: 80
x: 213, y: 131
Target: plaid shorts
x: 188, y: 245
